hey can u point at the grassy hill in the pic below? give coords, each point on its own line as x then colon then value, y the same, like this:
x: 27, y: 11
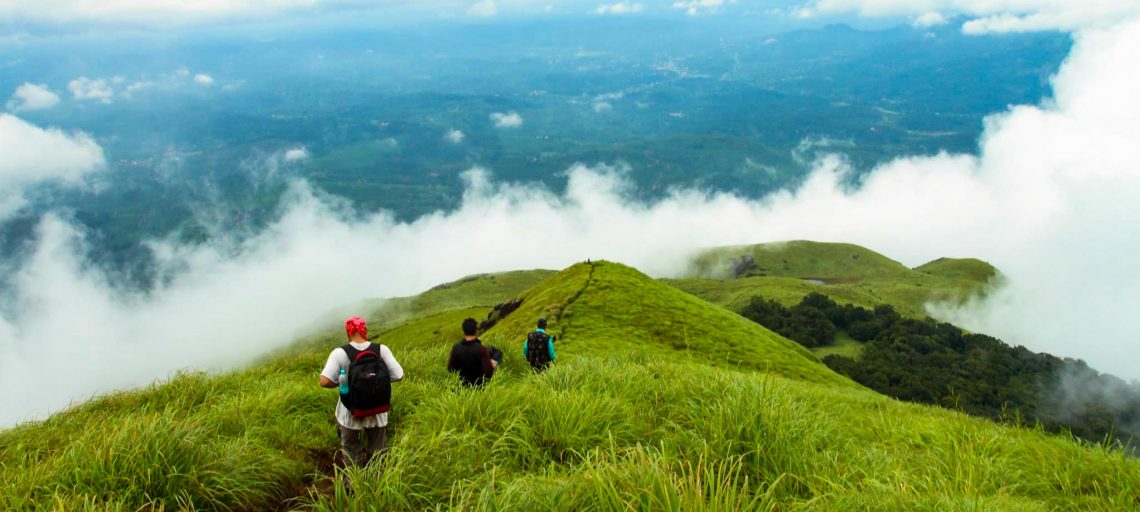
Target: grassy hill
x: 660, y: 401
x: 849, y: 274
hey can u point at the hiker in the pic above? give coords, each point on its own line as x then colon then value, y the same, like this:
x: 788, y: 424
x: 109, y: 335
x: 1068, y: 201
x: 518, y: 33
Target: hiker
x: 470, y: 358
x: 368, y: 381
x: 538, y: 349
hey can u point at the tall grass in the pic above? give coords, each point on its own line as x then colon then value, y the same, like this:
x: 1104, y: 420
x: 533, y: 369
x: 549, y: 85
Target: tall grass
x: 605, y: 432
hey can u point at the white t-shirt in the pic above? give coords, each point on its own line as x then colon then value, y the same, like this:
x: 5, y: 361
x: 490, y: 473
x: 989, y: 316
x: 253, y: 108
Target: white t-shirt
x: 338, y: 359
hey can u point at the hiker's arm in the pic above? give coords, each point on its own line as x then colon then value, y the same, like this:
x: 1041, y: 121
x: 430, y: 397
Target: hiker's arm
x: 330, y: 372
x: 395, y: 371
x: 550, y: 347
x: 524, y: 347
x: 488, y: 363
x: 452, y: 362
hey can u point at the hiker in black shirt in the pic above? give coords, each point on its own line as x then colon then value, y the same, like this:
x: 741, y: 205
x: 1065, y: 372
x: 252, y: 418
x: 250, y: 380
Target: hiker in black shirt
x: 470, y: 358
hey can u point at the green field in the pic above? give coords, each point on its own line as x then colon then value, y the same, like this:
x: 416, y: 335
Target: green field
x: 660, y: 401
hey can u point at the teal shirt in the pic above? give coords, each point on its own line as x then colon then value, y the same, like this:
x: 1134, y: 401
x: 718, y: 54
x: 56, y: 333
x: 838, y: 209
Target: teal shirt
x: 549, y: 346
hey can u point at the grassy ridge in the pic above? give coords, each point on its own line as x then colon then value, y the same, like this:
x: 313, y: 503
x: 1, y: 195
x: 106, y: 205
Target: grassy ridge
x: 476, y: 290
x: 613, y: 426
x: 611, y: 308
x: 802, y: 259
x: 849, y: 274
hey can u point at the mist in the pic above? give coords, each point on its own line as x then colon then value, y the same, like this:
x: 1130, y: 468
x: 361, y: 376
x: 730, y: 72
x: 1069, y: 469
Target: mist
x: 1049, y: 199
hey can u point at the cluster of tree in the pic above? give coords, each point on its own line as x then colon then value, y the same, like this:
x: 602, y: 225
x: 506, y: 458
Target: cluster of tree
x: 937, y: 363
x: 815, y: 321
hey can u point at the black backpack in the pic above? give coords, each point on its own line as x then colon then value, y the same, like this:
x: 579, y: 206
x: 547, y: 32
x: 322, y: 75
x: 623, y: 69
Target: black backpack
x: 537, y: 352
x: 369, y: 385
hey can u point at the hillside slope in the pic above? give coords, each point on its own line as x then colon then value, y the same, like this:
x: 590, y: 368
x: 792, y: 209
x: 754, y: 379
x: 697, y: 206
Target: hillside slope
x: 612, y: 427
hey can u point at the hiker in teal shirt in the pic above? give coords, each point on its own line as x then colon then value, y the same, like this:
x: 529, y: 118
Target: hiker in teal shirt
x: 538, y: 349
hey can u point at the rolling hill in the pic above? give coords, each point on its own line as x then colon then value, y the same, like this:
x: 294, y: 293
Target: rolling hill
x: 661, y: 401
x: 787, y: 271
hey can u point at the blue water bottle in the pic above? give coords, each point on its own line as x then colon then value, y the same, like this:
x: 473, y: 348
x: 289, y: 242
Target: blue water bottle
x: 343, y: 383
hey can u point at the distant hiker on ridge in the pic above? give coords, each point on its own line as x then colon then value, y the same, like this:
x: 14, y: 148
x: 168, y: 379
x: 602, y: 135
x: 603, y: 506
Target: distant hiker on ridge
x: 538, y: 349
x: 364, y: 372
x: 470, y: 358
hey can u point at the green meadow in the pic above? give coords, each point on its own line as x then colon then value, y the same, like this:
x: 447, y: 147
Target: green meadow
x: 663, y: 398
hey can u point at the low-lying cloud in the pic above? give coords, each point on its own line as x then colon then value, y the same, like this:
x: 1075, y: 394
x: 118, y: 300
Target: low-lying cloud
x: 510, y: 119
x: 295, y: 154
x: 33, y: 155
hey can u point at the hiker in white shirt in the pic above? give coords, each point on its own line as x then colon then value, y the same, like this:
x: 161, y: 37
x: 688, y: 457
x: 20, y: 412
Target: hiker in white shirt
x: 350, y: 426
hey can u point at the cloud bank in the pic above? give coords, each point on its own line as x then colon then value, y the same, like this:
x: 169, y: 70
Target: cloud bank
x: 32, y: 97
x: 34, y: 155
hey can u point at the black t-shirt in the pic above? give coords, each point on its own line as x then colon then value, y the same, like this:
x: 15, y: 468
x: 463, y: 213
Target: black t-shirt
x: 473, y: 362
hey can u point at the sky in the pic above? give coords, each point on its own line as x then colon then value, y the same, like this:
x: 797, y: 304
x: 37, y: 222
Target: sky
x: 1049, y: 199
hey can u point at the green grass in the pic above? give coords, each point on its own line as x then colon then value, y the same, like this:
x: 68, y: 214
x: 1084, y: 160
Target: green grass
x: 802, y: 259
x: 849, y: 274
x: 960, y: 268
x: 609, y: 307
x: 844, y: 346
x: 480, y: 290
x: 643, y: 412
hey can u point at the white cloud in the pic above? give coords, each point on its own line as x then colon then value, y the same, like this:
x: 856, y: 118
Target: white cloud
x: 34, y: 155
x: 297, y: 153
x: 84, y: 88
x: 203, y: 79
x: 483, y: 9
x: 694, y: 7
x: 602, y: 106
x: 993, y: 15
x: 619, y: 8
x: 455, y: 136
x: 928, y: 20
x: 31, y: 96
x: 510, y: 119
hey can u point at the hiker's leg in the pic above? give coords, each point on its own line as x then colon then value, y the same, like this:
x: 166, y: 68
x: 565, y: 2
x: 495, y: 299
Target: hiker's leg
x: 377, y: 441
x: 350, y: 442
